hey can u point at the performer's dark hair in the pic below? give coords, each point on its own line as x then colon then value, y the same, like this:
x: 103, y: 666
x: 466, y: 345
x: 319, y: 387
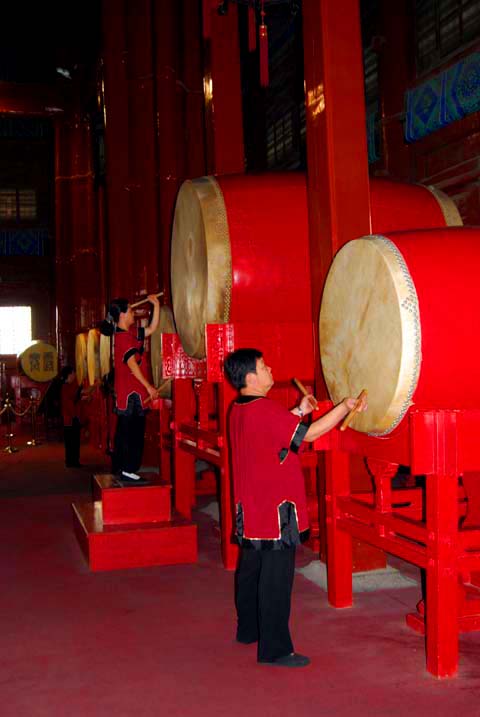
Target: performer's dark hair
x: 239, y: 363
x: 65, y: 373
x: 117, y: 307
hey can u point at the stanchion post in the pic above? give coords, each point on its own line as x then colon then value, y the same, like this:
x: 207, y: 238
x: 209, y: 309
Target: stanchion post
x: 10, y: 448
x: 33, y: 411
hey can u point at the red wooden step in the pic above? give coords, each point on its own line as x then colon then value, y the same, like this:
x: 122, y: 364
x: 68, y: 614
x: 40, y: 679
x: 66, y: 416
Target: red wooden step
x: 132, y: 504
x: 115, y: 547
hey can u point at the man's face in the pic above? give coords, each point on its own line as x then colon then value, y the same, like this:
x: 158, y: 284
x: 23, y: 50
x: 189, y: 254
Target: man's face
x: 263, y: 376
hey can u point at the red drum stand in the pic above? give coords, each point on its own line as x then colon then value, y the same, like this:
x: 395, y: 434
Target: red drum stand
x: 425, y: 528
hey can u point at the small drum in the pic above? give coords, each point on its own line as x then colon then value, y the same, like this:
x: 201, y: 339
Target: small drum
x: 39, y: 361
x: 398, y: 318
x: 81, y: 366
x: 93, y: 356
x: 105, y: 355
x: 166, y: 326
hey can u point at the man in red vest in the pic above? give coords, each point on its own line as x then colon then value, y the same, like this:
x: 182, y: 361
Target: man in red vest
x: 270, y: 502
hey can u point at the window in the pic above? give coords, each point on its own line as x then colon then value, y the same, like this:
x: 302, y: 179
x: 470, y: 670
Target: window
x: 442, y: 27
x: 15, y: 328
x: 18, y: 205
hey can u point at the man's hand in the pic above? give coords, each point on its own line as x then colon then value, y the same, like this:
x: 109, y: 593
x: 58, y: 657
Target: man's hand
x: 351, y: 403
x: 307, y: 404
x: 152, y: 392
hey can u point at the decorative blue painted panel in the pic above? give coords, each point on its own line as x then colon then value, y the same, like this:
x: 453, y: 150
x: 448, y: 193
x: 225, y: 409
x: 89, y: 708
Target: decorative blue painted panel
x: 26, y: 242
x: 447, y: 97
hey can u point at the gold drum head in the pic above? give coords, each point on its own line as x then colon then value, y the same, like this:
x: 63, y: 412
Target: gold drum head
x: 81, y: 367
x: 93, y: 356
x: 370, y: 334
x: 105, y: 361
x: 201, y: 264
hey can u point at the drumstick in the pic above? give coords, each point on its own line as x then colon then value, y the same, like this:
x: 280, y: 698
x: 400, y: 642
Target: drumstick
x: 162, y: 385
x: 142, y: 301
x: 351, y: 414
x: 303, y: 390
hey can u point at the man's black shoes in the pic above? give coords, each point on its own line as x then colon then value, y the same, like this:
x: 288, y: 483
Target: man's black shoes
x: 292, y: 660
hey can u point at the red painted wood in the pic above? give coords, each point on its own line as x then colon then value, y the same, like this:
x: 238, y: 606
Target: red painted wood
x: 132, y: 546
x: 339, y: 543
x: 136, y: 504
x: 223, y: 95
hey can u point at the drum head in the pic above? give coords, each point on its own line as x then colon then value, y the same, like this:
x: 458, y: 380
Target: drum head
x: 93, y: 356
x: 166, y: 325
x: 105, y: 359
x: 370, y: 336
x: 39, y: 361
x: 81, y: 357
x: 201, y: 264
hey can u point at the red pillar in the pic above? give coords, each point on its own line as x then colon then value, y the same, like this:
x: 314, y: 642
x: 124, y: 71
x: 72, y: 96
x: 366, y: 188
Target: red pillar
x: 223, y: 95
x: 193, y: 91
x: 338, y: 185
x: 169, y: 139
x: 142, y: 159
x: 116, y: 148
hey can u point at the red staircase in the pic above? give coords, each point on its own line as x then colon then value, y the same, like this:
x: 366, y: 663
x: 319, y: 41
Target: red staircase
x: 132, y: 527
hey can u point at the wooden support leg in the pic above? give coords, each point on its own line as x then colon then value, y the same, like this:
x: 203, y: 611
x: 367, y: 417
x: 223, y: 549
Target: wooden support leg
x: 442, y: 579
x: 339, y: 543
x: 184, y: 463
x: 229, y: 548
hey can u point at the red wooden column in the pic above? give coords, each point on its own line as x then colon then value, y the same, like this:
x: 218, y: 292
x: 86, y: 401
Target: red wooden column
x: 193, y: 91
x: 63, y: 265
x: 394, y: 76
x: 169, y: 138
x: 338, y: 187
x: 116, y: 148
x: 339, y: 542
x: 142, y: 159
x: 338, y: 184
x: 222, y: 92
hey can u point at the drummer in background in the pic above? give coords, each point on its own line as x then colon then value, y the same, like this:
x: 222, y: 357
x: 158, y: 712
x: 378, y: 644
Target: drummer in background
x: 270, y: 502
x: 132, y: 389
x: 71, y: 395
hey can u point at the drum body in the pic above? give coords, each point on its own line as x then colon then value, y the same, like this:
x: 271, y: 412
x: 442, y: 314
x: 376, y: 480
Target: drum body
x: 240, y: 246
x: 81, y: 366
x: 166, y: 325
x: 398, y: 318
x: 39, y: 361
x: 239, y: 253
x: 93, y: 356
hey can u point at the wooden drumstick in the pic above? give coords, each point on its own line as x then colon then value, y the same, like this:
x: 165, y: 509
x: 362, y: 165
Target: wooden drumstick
x: 303, y: 390
x: 142, y: 301
x: 348, y: 418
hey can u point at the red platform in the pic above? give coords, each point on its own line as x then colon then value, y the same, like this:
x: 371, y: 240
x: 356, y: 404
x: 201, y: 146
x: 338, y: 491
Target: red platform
x: 132, y: 527
x: 134, y: 504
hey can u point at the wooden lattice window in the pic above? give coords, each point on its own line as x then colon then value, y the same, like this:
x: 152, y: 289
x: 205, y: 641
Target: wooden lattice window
x: 443, y: 27
x: 18, y: 205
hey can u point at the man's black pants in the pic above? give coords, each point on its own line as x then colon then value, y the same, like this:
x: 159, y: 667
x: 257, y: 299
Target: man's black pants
x: 263, y: 590
x: 71, y: 438
x: 128, y: 444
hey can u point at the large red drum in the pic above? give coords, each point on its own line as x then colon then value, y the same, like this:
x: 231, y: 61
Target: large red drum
x: 240, y: 247
x: 399, y: 318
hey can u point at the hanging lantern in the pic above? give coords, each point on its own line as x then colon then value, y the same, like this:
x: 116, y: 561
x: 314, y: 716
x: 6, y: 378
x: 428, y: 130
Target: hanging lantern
x: 263, y: 41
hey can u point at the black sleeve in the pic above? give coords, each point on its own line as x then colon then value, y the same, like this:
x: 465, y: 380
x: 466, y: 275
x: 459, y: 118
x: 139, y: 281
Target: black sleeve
x: 298, y: 437
x: 128, y: 354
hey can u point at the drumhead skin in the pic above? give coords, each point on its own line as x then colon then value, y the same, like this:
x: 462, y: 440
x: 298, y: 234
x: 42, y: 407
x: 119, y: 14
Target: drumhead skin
x: 93, y: 356
x: 105, y: 355
x: 166, y: 325
x: 81, y: 357
x: 201, y: 263
x: 370, y: 334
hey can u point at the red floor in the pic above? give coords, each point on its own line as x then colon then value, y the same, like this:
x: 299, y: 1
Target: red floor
x: 159, y: 641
